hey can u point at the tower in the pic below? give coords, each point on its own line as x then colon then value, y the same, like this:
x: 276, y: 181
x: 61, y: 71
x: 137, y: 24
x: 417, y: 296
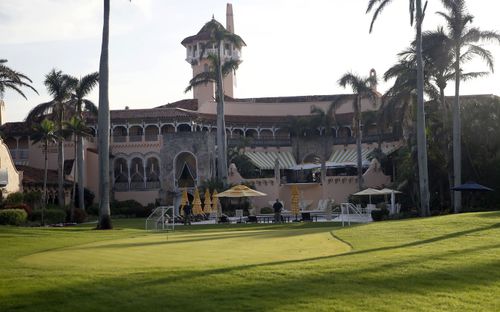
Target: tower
x: 2, y: 112
x: 199, y: 63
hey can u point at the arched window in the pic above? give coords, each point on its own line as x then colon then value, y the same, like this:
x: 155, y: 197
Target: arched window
x: 120, y: 170
x: 185, y: 170
x: 136, y: 173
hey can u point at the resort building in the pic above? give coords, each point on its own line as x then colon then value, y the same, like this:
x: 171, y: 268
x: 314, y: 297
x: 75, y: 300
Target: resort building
x: 158, y: 152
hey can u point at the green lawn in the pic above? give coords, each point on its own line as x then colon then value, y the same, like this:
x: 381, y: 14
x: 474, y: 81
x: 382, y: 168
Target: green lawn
x: 449, y: 263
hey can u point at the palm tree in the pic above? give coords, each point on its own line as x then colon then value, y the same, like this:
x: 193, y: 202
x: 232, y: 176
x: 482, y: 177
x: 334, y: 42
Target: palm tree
x: 464, y: 45
x: 103, y: 123
x: 362, y: 88
x: 60, y: 87
x: 11, y: 79
x: 44, y: 132
x: 76, y: 127
x: 218, y: 36
x: 83, y: 87
x: 417, y: 12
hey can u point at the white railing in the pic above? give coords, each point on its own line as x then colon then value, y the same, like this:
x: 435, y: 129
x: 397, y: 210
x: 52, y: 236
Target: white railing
x: 350, y: 212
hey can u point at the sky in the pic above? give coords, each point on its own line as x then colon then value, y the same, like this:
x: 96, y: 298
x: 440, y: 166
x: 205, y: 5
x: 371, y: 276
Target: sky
x: 294, y: 47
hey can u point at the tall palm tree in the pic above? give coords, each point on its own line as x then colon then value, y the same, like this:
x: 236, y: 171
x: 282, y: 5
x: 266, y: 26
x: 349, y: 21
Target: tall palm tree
x: 44, y: 132
x: 218, y: 36
x: 103, y: 123
x: 11, y: 79
x: 77, y: 128
x: 416, y: 12
x: 82, y: 89
x: 59, y: 86
x: 362, y: 88
x: 464, y: 46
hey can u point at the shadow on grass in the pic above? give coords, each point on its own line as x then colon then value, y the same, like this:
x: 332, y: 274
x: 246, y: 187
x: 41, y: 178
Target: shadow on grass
x: 270, y: 286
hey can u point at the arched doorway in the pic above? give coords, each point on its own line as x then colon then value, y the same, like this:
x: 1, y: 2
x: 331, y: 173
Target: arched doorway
x: 185, y: 174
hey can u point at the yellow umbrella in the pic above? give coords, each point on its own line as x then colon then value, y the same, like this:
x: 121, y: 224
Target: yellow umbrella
x: 207, y: 203
x: 240, y: 191
x: 197, y: 203
x: 215, y: 204
x: 295, y: 200
x: 184, y: 200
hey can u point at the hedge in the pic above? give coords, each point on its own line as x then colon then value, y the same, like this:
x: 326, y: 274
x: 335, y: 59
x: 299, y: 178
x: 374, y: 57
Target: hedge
x: 13, y: 216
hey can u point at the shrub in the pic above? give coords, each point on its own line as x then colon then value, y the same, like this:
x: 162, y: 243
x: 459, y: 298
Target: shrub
x: 24, y: 207
x: 380, y: 214
x: 88, y: 198
x: 33, y: 198
x: 129, y: 208
x: 266, y: 210
x: 79, y: 215
x: 13, y: 216
x: 92, y: 209
x: 14, y: 198
x: 50, y: 216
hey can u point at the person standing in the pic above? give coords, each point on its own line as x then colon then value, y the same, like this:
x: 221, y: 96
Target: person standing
x: 187, y: 214
x: 277, y: 211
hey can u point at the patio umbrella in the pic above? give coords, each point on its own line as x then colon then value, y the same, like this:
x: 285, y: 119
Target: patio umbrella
x: 207, y: 207
x: 295, y: 199
x: 369, y: 192
x: 197, y: 203
x: 184, y: 201
x: 472, y: 187
x: 393, y: 193
x: 240, y: 191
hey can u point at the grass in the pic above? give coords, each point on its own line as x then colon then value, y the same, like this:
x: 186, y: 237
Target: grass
x: 448, y: 263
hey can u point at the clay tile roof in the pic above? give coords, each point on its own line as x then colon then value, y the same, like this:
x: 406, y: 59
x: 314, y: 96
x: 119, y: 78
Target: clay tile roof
x: 291, y: 99
x: 15, y: 128
x: 190, y: 104
x: 34, y: 176
x: 202, y: 35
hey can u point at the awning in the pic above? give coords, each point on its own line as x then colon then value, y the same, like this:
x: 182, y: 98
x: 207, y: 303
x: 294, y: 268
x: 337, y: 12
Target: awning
x: 349, y: 154
x: 266, y: 160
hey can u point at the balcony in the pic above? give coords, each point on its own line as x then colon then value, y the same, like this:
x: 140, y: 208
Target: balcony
x: 261, y: 142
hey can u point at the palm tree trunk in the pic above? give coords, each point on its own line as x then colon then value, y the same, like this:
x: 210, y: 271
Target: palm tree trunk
x: 446, y: 149
x: 103, y: 127
x: 44, y: 195
x: 221, y: 124
x: 60, y: 165
x: 79, y: 161
x: 457, y: 135
x: 358, y: 143
x: 73, y: 193
x: 423, y: 174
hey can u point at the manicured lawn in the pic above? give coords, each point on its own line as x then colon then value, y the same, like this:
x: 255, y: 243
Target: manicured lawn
x: 449, y: 263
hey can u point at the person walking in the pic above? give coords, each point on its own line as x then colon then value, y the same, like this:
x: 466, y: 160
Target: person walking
x: 277, y: 211
x: 187, y: 214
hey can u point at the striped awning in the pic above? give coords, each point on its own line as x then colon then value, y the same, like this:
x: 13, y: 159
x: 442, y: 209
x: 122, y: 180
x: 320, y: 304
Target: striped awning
x: 266, y: 160
x: 349, y: 155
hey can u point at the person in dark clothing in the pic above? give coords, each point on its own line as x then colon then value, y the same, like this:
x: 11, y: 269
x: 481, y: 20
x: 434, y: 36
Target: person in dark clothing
x: 187, y: 214
x: 277, y: 211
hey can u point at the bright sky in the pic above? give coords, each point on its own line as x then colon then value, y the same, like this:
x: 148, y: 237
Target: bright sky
x: 294, y: 47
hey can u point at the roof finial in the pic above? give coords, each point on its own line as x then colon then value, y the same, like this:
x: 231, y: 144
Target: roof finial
x: 213, y: 17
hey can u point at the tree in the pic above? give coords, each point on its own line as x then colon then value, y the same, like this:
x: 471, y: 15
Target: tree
x: 60, y: 87
x: 76, y: 127
x: 103, y: 123
x: 218, y: 36
x: 362, y: 88
x: 83, y: 87
x: 464, y: 46
x: 417, y: 12
x: 44, y: 132
x: 11, y: 79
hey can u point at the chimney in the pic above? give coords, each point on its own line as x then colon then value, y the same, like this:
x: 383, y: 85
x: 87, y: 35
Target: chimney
x: 229, y: 18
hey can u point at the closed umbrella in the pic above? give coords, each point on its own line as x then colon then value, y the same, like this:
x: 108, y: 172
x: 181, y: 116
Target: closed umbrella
x: 207, y: 204
x: 184, y: 201
x: 216, y: 204
x: 197, y: 203
x: 295, y: 199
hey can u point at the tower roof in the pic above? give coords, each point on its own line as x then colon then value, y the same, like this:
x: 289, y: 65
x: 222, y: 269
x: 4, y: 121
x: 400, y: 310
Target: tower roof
x: 204, y: 33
